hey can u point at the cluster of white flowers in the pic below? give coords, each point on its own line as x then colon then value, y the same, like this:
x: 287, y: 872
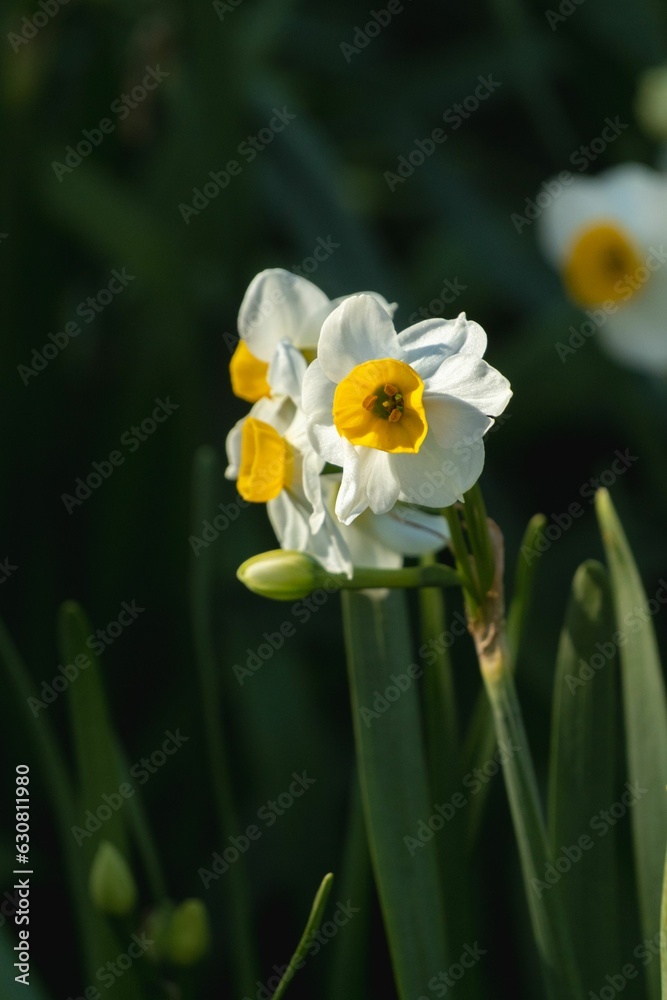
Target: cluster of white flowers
x: 355, y: 429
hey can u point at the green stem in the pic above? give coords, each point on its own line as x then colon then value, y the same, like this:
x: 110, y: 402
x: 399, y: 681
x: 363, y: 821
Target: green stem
x: 549, y: 926
x: 460, y: 550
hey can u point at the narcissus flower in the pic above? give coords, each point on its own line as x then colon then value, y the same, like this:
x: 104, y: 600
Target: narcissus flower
x: 278, y: 307
x: 403, y: 415
x: 605, y: 235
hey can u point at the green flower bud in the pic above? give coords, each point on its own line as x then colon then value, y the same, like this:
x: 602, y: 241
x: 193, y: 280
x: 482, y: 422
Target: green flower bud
x: 189, y: 936
x: 651, y: 102
x: 283, y: 575
x: 111, y: 885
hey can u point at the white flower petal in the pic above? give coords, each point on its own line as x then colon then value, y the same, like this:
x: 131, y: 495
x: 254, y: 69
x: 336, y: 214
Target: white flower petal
x: 369, y: 481
x: 233, y: 448
x: 438, y: 477
x: 359, y: 330
x: 426, y: 344
x: 364, y: 548
x: 286, y: 371
x: 473, y: 380
x: 406, y: 530
x: 317, y: 400
x: 456, y: 424
x: 277, y: 306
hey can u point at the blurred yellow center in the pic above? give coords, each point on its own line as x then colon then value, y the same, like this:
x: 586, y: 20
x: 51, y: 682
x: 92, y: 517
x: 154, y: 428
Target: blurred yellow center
x: 266, y: 462
x: 248, y: 375
x: 601, y: 260
x: 379, y: 405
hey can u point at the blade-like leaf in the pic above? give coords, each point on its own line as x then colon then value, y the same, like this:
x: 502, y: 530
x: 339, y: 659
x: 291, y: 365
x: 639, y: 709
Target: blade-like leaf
x: 314, y: 921
x: 93, y: 735
x: 394, y: 785
x: 581, y: 780
x: 645, y: 717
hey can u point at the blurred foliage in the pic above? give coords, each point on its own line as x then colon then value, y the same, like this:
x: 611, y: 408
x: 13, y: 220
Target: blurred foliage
x: 167, y: 335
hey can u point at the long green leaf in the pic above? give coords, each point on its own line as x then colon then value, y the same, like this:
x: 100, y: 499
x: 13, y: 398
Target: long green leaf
x: 645, y: 717
x: 394, y: 784
x: 93, y: 735
x: 347, y: 956
x: 581, y: 780
x: 98, y: 780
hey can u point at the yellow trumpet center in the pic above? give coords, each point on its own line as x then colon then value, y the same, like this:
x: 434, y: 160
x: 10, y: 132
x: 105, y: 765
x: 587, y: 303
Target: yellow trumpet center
x: 379, y: 405
x: 603, y: 265
x: 266, y: 462
x: 248, y: 374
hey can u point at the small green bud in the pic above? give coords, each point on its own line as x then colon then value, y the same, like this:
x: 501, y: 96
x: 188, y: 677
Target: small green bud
x: 651, y: 102
x: 188, y: 937
x: 111, y: 885
x: 283, y: 575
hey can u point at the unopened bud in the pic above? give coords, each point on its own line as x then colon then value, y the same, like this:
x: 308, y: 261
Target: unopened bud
x: 283, y: 575
x: 189, y: 936
x: 111, y: 884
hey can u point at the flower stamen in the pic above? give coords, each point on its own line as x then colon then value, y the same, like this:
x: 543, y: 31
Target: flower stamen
x: 368, y: 403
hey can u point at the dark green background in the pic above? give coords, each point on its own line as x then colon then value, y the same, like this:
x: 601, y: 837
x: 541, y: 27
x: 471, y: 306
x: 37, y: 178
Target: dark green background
x: 168, y: 334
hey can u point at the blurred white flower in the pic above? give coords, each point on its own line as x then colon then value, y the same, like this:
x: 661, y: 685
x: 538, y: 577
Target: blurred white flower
x: 404, y: 416
x: 605, y: 235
